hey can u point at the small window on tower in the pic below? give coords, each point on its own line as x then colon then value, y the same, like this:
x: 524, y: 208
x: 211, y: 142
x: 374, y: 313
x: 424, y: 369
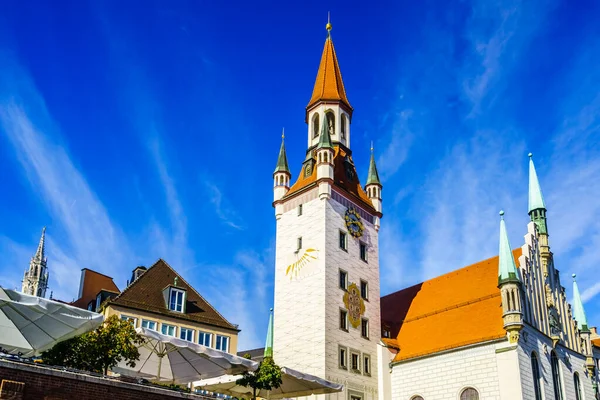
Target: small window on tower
x: 343, y: 241
x: 330, y: 123
x: 364, y: 328
x: 315, y: 124
x: 300, y: 210
x: 343, y: 280
x: 299, y: 243
x: 344, y: 124
x: 363, y: 251
x: 366, y: 364
x: 364, y: 290
x: 344, y: 320
x: 355, y: 361
x: 343, y: 354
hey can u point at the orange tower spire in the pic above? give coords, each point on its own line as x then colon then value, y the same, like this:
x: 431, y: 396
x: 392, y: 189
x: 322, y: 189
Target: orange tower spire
x: 329, y: 84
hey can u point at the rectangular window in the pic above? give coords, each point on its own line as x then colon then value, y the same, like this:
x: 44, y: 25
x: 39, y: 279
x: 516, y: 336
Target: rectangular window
x: 343, y: 241
x: 343, y: 356
x: 300, y: 210
x: 98, y: 301
x: 355, y: 361
x: 222, y: 343
x: 205, y: 338
x: 364, y: 328
x: 149, y: 324
x: 364, y: 290
x: 366, y: 364
x: 91, y: 306
x: 168, y: 330
x: 131, y: 319
x: 363, y: 251
x: 386, y: 333
x: 299, y: 243
x: 344, y: 320
x: 186, y: 334
x: 176, y: 301
x: 343, y: 280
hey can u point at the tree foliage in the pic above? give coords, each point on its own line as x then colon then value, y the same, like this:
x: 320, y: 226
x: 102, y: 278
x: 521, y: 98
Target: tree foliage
x: 99, y: 350
x: 266, y: 377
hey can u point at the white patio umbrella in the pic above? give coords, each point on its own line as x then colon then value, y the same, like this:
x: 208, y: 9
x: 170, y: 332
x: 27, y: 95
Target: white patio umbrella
x: 293, y: 384
x: 30, y: 324
x: 167, y: 359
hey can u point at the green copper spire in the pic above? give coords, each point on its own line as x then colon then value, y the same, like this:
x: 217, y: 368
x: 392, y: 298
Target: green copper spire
x: 578, y: 311
x: 537, y: 206
x: 373, y: 177
x: 269, y: 342
x: 325, y: 139
x: 507, y: 270
x: 282, y: 164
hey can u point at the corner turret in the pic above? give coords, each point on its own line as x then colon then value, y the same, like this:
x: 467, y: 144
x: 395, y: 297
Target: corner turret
x: 373, y: 188
x: 281, y: 178
x: 324, y: 153
x: 537, y: 213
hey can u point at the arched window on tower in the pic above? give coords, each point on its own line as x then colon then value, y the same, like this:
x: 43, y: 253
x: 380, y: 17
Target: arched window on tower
x: 556, y: 379
x: 537, y: 378
x: 330, y: 123
x: 469, y: 394
x: 315, y: 125
x: 344, y: 125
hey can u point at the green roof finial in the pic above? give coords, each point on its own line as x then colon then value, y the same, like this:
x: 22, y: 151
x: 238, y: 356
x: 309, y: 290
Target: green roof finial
x: 373, y: 177
x: 269, y: 342
x: 282, y: 164
x: 578, y: 311
x: 507, y: 269
x: 536, y: 200
x: 325, y: 139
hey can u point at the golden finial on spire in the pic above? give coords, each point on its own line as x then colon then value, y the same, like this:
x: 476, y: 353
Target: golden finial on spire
x: 282, y: 133
x: 328, y: 26
x: 371, y: 146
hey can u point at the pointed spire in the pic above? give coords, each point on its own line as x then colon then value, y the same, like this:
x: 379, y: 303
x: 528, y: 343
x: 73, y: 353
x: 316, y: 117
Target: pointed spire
x: 325, y: 138
x: 41, y: 250
x: 329, y: 84
x: 282, y: 163
x: 269, y: 342
x: 373, y: 177
x: 536, y: 200
x: 507, y: 269
x: 578, y: 311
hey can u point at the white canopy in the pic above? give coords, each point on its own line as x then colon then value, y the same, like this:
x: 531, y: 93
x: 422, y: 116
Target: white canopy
x: 31, y: 324
x: 168, y: 359
x: 294, y: 384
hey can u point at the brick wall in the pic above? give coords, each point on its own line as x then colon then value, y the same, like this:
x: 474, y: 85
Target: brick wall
x: 43, y: 383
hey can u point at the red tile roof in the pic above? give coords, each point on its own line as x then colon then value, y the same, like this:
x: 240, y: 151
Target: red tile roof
x: 457, y: 309
x: 146, y: 294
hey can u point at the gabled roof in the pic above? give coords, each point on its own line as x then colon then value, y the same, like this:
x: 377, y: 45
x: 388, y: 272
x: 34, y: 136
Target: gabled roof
x: 92, y: 283
x: 329, y: 84
x: 349, y: 184
x: 457, y: 309
x: 146, y: 294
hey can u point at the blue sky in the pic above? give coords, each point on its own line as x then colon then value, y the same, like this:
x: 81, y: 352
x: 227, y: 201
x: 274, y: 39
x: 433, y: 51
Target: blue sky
x: 145, y: 129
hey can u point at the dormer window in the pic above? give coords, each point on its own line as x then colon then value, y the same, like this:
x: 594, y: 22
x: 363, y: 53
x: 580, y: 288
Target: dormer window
x: 176, y: 299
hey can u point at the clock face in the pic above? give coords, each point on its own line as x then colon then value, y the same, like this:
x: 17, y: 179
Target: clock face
x: 353, y: 222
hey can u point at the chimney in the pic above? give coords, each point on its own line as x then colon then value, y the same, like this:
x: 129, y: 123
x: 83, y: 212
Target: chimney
x: 137, y: 272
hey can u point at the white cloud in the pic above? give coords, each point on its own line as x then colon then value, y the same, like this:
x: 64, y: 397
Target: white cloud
x: 222, y: 208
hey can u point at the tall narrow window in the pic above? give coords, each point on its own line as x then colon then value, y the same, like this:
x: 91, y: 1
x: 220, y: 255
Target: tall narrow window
x: 299, y: 243
x: 366, y: 364
x: 343, y: 280
x: 363, y: 251
x: 300, y: 210
x: 316, y: 125
x: 344, y: 125
x: 330, y: 123
x: 343, y: 357
x: 344, y: 320
x: 364, y: 328
x: 535, y: 371
x: 176, y: 301
x: 364, y: 290
x: 343, y: 241
x: 557, y: 381
x: 578, y: 394
x: 355, y: 361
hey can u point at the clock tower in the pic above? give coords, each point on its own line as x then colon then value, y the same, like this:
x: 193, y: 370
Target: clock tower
x: 327, y: 316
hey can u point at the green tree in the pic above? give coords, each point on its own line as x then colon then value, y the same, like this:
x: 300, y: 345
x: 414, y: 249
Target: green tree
x: 266, y: 377
x: 98, y: 351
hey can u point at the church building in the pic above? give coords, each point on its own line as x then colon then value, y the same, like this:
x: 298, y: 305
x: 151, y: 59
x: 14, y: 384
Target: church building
x: 499, y: 329
x: 35, y: 279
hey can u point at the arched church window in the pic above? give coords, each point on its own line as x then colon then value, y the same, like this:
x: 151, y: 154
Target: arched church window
x: 537, y: 378
x: 330, y: 123
x: 556, y: 379
x: 315, y: 124
x: 344, y: 125
x: 469, y: 394
x: 578, y: 394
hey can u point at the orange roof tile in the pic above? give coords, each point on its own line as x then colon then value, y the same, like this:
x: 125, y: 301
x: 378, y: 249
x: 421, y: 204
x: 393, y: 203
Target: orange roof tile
x: 393, y: 343
x: 596, y: 342
x: 350, y: 185
x: 453, y: 310
x: 329, y: 84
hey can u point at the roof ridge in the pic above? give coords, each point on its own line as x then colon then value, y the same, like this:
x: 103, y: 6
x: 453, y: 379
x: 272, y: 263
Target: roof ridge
x: 453, y: 307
